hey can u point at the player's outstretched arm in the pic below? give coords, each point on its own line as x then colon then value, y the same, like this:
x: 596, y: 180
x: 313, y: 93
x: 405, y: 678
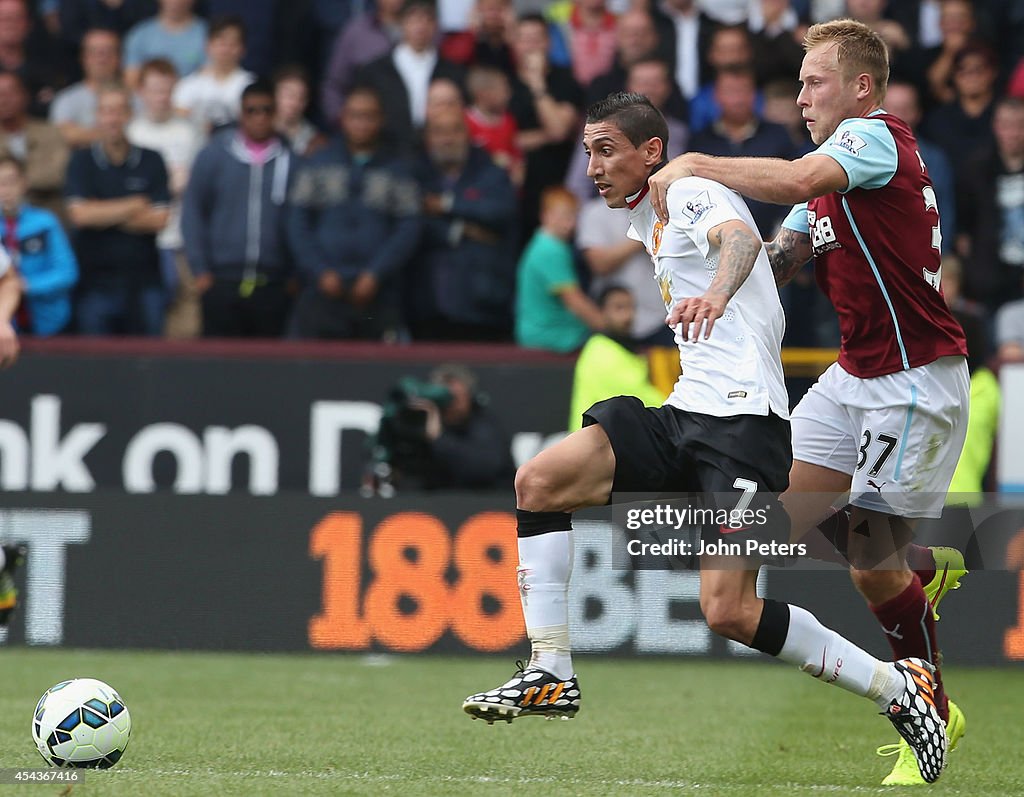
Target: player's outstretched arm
x: 738, y: 247
x: 788, y: 253
x: 764, y: 179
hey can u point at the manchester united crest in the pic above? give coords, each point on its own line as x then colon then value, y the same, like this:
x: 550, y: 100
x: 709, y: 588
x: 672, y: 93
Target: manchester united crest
x: 659, y: 228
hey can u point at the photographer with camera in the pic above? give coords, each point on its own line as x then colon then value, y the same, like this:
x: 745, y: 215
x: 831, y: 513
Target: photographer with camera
x: 439, y: 435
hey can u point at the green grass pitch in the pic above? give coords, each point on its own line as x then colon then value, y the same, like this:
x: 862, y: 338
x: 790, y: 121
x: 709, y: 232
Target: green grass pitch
x: 213, y: 724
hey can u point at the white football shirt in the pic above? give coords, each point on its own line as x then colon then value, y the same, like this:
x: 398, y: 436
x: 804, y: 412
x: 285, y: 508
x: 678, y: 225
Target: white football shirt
x: 738, y: 370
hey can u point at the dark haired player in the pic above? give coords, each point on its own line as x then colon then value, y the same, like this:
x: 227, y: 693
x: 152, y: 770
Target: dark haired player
x: 723, y: 430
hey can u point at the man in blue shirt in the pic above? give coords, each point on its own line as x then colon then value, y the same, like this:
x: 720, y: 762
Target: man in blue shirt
x: 234, y: 221
x: 353, y: 226
x: 118, y: 199
x: 175, y: 33
x: 741, y: 130
x: 464, y: 279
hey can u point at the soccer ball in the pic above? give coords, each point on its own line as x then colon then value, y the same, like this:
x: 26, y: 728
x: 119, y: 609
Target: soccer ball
x: 81, y: 723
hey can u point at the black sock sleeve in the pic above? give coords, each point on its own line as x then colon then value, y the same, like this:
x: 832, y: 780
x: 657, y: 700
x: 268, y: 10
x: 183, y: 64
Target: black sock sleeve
x: 773, y: 629
x: 530, y: 524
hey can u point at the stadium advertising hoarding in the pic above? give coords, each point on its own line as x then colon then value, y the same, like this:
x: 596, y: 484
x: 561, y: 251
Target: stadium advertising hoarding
x: 405, y: 575
x: 197, y: 499
x: 214, y: 419
x: 196, y: 422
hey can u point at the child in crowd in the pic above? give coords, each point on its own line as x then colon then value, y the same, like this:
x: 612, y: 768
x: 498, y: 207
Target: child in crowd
x: 211, y: 97
x: 552, y: 311
x: 178, y: 141
x: 491, y: 125
x: 35, y: 241
x: 291, y: 96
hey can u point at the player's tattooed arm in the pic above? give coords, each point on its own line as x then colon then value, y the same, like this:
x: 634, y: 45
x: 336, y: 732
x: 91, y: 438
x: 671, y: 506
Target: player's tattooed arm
x: 738, y: 249
x: 788, y: 253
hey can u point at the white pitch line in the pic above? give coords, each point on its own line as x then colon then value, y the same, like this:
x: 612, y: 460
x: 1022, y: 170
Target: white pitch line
x: 370, y: 777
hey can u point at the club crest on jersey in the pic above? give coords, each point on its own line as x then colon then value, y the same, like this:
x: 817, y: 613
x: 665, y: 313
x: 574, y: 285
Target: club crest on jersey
x: 851, y: 142
x: 659, y: 229
x: 697, y: 207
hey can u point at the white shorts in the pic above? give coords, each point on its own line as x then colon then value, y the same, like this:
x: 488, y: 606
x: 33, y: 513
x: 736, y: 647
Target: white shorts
x: 899, y: 436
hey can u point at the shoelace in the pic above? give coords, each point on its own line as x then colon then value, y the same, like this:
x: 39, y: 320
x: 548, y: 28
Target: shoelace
x: 895, y: 748
x: 520, y: 666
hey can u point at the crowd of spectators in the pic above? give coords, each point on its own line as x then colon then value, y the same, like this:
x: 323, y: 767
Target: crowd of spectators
x: 404, y: 169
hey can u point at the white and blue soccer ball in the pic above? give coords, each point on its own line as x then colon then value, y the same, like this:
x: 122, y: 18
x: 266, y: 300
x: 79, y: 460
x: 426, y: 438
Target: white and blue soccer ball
x: 82, y: 723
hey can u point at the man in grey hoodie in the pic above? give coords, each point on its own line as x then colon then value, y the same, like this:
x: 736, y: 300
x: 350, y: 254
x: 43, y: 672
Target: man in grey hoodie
x: 234, y: 223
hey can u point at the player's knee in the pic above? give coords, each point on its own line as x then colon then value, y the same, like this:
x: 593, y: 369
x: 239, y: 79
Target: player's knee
x: 878, y: 585
x: 535, y: 488
x: 727, y: 618
x: 867, y: 579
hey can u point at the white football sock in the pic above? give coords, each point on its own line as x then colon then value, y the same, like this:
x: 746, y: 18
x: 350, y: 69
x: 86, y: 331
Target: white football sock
x: 3, y: 558
x: 829, y: 657
x: 545, y: 565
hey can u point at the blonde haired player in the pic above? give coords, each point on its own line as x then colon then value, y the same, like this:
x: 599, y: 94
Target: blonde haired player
x: 886, y: 423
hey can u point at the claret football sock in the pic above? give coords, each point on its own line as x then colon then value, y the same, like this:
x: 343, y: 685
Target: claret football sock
x: 910, y: 630
x: 545, y: 566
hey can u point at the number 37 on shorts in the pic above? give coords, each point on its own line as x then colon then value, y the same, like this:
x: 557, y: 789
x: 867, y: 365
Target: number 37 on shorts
x: 898, y: 436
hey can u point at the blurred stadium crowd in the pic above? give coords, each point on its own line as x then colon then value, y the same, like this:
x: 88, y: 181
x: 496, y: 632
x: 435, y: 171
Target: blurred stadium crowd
x: 412, y: 170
